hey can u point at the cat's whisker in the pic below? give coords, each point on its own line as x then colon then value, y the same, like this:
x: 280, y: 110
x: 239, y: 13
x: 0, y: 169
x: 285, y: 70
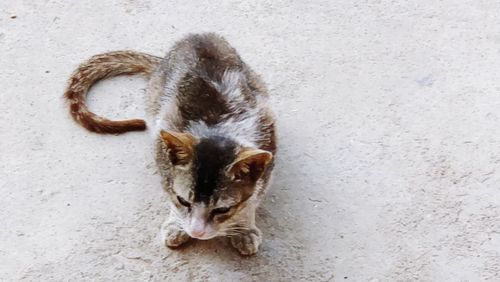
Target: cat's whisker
x: 235, y: 231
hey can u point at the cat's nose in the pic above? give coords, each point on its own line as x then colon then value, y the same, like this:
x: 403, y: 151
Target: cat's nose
x: 197, y: 233
x: 197, y: 228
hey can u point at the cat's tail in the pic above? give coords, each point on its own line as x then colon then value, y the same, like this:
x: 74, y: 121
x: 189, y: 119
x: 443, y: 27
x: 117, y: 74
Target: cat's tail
x: 99, y: 67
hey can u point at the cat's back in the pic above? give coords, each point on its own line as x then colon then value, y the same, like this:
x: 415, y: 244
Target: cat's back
x: 214, y: 55
x: 206, y: 55
x: 204, y: 81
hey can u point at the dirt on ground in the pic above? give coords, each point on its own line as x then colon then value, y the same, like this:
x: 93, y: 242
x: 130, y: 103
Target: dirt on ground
x: 389, y: 160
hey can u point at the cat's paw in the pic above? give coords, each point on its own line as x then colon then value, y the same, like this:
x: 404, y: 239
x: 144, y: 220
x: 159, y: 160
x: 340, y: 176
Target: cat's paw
x: 173, y: 236
x: 248, y: 243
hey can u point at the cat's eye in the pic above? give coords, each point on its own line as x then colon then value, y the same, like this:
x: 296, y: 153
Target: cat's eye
x: 220, y: 210
x: 183, y: 202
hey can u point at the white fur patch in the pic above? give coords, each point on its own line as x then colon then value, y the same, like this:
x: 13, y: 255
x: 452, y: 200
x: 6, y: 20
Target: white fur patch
x: 183, y: 183
x: 243, y: 130
x: 230, y: 85
x: 169, y: 108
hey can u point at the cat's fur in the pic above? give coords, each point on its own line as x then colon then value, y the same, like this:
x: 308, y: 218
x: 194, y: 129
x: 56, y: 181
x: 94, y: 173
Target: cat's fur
x: 214, y: 135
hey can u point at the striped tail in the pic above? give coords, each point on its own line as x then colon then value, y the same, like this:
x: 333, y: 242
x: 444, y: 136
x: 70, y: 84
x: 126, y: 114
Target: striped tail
x: 100, y: 67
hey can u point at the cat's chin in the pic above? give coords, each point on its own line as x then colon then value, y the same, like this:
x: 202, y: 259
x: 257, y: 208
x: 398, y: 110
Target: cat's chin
x: 204, y: 237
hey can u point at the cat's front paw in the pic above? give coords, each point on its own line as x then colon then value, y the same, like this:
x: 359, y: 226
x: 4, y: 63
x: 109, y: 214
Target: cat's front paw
x: 247, y: 243
x: 173, y: 236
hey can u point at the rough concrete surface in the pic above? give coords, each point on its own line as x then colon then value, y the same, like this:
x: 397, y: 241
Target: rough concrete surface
x: 389, y: 162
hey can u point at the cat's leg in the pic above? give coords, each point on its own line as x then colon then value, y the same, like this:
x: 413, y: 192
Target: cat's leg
x: 172, y: 233
x: 249, y: 239
x: 248, y: 242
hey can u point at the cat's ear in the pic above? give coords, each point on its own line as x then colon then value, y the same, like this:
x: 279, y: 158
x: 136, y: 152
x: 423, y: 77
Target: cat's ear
x: 180, y: 146
x: 250, y: 164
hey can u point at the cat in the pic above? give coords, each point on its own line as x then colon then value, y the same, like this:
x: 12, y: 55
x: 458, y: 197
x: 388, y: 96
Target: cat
x: 214, y: 134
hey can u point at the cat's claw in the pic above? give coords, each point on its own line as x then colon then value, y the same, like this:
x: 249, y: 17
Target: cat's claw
x: 173, y: 236
x: 248, y: 243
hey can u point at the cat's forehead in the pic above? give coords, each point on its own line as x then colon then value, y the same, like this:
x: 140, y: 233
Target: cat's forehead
x: 212, y: 156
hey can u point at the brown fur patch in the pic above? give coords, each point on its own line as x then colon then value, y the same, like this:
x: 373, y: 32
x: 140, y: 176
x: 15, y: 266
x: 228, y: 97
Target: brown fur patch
x: 198, y: 100
x: 180, y: 146
x: 250, y: 164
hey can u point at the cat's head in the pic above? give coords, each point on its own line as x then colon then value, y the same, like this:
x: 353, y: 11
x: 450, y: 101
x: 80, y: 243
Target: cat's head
x: 213, y: 180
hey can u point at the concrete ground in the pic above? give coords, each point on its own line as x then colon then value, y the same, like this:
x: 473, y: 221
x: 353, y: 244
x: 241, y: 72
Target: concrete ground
x: 389, y: 162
